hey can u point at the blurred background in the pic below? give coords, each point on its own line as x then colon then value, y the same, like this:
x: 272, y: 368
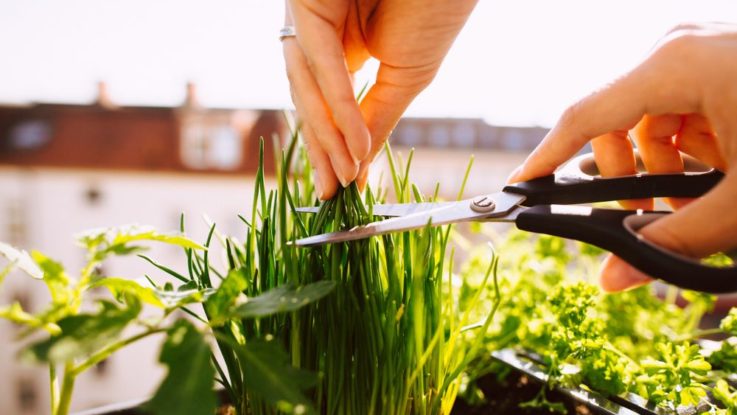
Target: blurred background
x: 116, y: 112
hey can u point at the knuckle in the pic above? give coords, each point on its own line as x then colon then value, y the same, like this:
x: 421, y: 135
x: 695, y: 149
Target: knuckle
x: 572, y: 114
x: 679, y: 45
x: 684, y: 27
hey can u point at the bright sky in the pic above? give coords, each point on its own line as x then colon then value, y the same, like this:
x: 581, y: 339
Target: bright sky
x: 517, y: 62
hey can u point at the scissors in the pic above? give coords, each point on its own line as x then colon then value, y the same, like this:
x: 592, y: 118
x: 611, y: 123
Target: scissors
x: 548, y: 205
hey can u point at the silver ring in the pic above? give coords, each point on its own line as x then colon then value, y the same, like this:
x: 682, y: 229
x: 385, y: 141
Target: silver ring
x: 287, y: 31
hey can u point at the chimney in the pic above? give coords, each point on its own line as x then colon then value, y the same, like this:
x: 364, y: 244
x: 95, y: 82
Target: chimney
x: 103, y: 96
x: 191, y: 100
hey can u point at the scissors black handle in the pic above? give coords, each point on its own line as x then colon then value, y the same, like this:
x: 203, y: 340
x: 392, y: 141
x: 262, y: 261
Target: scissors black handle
x: 616, y: 230
x: 579, y: 182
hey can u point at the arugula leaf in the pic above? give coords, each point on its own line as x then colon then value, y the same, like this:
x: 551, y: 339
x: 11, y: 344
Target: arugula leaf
x: 55, y: 278
x: 267, y: 373
x: 225, y: 296
x: 15, y: 313
x: 106, y: 241
x: 20, y: 258
x: 283, y: 299
x: 119, y: 287
x: 187, y: 387
x: 83, y: 334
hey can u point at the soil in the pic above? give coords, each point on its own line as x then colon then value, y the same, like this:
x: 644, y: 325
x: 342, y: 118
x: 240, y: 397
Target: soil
x: 503, y: 396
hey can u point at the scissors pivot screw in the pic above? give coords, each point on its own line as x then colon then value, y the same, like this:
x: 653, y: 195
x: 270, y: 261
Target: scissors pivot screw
x: 483, y: 204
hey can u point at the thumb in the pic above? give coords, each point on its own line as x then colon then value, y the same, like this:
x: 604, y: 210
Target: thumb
x: 386, y: 101
x: 704, y: 227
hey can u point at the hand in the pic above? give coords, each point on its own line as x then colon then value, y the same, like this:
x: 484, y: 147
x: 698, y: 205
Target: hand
x: 682, y: 97
x: 334, y: 38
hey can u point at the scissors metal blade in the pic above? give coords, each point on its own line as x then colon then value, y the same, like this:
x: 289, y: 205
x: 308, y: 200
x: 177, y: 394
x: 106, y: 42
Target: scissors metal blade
x: 392, y: 209
x: 453, y: 213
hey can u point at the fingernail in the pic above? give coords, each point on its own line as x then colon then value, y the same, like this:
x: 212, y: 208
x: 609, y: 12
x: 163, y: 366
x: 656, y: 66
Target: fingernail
x: 515, y: 173
x: 348, y: 177
x: 618, y: 275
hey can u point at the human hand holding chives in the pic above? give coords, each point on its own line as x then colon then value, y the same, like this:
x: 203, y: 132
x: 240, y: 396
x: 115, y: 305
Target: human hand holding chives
x: 334, y: 38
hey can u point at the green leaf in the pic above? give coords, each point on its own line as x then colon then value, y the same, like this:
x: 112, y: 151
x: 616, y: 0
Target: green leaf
x: 729, y: 323
x: 121, y: 235
x: 119, y: 287
x: 15, y: 313
x: 176, y: 299
x: 103, y: 242
x: 167, y: 270
x: 225, y: 296
x: 187, y: 387
x: 56, y: 280
x: 283, y: 299
x: 267, y: 373
x: 20, y: 258
x: 83, y: 334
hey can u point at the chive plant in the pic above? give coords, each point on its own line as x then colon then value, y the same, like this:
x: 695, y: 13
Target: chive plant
x: 388, y: 339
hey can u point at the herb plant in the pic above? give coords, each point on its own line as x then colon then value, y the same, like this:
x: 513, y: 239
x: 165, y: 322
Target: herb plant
x: 81, y: 330
x: 628, y: 342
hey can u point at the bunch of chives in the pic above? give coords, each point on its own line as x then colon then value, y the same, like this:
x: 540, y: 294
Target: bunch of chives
x: 388, y: 339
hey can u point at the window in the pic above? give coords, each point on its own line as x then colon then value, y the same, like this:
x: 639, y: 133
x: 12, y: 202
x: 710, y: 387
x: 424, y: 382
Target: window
x: 93, y: 195
x: 211, y: 147
x: 225, y: 151
x: 410, y: 135
x: 16, y: 230
x: 439, y: 136
x: 26, y: 393
x: 464, y: 134
x: 103, y: 367
x: 30, y: 134
x: 194, y: 146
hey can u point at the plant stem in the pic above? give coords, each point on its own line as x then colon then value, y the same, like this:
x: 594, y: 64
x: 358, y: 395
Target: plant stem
x: 54, y: 387
x: 67, y: 387
x: 107, y: 351
x: 698, y: 333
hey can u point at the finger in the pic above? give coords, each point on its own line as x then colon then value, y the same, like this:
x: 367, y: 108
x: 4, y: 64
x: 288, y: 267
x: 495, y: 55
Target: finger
x: 326, y: 182
x: 363, y: 174
x: 703, y: 227
x: 319, y: 33
x: 697, y: 139
x: 654, y: 137
x: 614, y: 157
x: 311, y: 107
x: 386, y: 101
x: 618, y: 275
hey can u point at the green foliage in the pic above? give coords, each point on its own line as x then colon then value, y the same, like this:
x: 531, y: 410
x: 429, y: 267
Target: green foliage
x: 187, y: 388
x: 269, y: 374
x: 725, y: 358
x: 83, y: 334
x: 727, y: 396
x: 77, y: 340
x: 632, y: 341
x: 729, y: 323
x: 282, y: 299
